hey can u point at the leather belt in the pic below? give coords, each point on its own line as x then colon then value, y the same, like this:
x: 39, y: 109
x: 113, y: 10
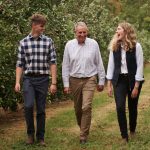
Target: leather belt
x: 35, y: 75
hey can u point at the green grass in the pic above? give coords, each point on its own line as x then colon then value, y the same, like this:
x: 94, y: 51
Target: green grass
x: 100, y: 99
x: 147, y: 70
x: 62, y: 132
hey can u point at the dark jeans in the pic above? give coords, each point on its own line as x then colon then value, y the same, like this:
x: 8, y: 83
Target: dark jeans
x: 120, y: 92
x: 35, y: 89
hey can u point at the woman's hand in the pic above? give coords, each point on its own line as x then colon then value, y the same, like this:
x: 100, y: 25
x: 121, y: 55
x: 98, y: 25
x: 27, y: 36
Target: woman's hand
x: 135, y: 90
x: 109, y: 88
x: 134, y: 93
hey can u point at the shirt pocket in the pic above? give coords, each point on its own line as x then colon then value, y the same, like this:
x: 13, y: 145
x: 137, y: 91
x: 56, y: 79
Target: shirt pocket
x: 28, y: 52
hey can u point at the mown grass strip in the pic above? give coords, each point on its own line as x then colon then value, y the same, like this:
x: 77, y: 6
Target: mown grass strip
x: 104, y: 130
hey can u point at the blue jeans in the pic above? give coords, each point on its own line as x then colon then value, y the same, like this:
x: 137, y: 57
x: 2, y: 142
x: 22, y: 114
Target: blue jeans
x: 35, y: 89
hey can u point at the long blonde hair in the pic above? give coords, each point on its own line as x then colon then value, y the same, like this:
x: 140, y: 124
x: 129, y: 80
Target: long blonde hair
x: 129, y: 41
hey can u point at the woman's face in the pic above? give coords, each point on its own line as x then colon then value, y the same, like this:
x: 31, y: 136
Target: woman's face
x: 120, y: 33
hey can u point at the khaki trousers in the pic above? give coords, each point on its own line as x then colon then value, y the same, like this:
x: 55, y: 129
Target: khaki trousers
x: 83, y: 91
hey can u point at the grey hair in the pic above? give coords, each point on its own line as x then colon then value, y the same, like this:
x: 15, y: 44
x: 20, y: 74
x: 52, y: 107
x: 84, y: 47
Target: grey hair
x: 82, y: 24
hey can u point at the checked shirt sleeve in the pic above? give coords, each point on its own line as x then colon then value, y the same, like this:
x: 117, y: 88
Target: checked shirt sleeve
x: 52, y: 53
x: 21, y: 56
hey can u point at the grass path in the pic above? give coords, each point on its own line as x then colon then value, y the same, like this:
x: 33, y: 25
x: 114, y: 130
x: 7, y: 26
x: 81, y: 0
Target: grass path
x: 62, y: 132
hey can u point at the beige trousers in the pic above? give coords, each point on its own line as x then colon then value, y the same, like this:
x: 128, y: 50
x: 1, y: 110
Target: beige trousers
x: 83, y: 91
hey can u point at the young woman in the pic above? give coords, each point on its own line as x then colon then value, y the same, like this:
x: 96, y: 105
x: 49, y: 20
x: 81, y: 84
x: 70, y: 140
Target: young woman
x: 125, y: 75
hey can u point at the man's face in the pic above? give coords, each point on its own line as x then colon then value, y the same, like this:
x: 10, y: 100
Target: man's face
x: 38, y: 28
x: 81, y: 34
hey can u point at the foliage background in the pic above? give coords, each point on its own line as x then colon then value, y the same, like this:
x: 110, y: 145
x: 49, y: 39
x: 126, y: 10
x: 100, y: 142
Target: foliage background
x: 101, y: 16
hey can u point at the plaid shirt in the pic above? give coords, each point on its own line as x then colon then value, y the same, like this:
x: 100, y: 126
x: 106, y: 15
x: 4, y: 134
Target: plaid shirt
x: 36, y: 55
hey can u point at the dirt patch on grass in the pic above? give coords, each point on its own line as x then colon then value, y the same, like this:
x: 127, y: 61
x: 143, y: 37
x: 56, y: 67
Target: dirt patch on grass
x: 14, y: 122
x: 100, y: 113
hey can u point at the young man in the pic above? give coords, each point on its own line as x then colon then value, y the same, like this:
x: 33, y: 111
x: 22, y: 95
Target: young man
x: 36, y: 59
x: 82, y: 62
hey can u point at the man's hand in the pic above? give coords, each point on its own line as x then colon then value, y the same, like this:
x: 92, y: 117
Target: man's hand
x: 18, y: 77
x: 67, y: 90
x: 100, y: 88
x: 17, y: 87
x: 53, y: 89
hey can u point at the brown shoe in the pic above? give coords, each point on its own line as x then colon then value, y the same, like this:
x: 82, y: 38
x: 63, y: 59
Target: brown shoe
x: 82, y: 142
x: 30, y: 140
x: 124, y: 141
x: 42, y: 143
x: 132, y: 135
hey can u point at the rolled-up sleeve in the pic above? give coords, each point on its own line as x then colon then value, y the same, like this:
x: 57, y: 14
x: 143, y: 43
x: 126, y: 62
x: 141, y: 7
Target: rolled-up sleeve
x: 66, y: 68
x: 100, y: 67
x: 139, y: 61
x: 110, y: 68
x: 21, y: 56
x: 52, y: 53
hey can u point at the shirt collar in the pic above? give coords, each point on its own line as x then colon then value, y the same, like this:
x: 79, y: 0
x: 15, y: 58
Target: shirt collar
x: 30, y: 36
x: 85, y: 42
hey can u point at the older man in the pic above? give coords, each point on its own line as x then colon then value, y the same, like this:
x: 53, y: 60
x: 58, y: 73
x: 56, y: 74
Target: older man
x: 82, y: 63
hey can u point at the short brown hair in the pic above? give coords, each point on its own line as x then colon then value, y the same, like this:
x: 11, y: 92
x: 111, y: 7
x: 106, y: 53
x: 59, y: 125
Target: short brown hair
x: 38, y: 19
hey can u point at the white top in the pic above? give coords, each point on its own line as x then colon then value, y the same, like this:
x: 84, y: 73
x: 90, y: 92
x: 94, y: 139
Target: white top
x: 123, y: 62
x: 139, y: 61
x: 82, y: 60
